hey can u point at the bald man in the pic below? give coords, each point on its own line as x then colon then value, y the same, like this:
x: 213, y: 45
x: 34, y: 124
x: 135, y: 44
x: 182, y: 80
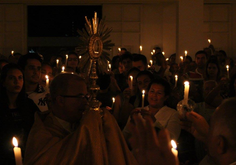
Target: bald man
x: 219, y: 136
x: 71, y: 134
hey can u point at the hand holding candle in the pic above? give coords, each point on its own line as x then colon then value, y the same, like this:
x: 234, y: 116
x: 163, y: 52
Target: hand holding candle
x: 17, y: 152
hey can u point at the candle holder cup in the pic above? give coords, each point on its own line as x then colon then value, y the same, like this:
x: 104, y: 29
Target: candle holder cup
x: 182, y: 108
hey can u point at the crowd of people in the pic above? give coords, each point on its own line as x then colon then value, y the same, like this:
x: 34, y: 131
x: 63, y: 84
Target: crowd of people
x: 54, y: 125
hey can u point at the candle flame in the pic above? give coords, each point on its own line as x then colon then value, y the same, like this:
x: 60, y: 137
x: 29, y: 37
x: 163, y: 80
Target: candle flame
x: 186, y: 52
x: 66, y: 56
x: 227, y: 66
x: 113, y: 99
x: 186, y: 83
x: 209, y: 40
x: 12, y: 52
x: 63, y: 68
x: 80, y: 57
x: 46, y: 76
x: 167, y: 59
x: 119, y: 49
x: 131, y: 78
x: 173, y: 143
x: 143, y: 91
x: 140, y: 48
x: 57, y: 61
x: 181, y: 57
x: 154, y: 51
x: 176, y: 76
x: 14, y: 142
x: 151, y: 53
x: 163, y: 53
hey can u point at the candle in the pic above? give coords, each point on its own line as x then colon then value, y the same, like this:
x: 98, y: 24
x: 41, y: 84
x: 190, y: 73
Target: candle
x: 176, y: 80
x: 66, y: 59
x: 209, y: 41
x: 63, y: 69
x: 186, y: 92
x: 131, y: 82
x: 47, y: 80
x: 151, y: 62
x: 185, y: 53
x: 143, y: 96
x: 149, y: 66
x: 154, y: 51
x: 109, y: 67
x: 174, y: 148
x: 113, y: 101
x: 140, y: 48
x: 167, y: 59
x: 12, y: 52
x: 80, y: 57
x: 17, y: 152
x: 227, y: 67
x: 119, y: 49
x: 57, y: 61
x: 163, y: 53
x: 181, y: 58
x: 151, y: 53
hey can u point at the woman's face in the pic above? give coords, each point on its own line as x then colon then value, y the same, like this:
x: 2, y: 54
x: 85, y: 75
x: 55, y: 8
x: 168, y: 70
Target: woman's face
x: 73, y: 61
x: 156, y: 96
x: 14, y: 81
x: 143, y: 82
x: 46, y: 70
x: 212, y: 70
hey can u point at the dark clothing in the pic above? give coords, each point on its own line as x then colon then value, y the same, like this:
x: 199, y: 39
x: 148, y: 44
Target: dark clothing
x: 121, y: 81
x: 136, y: 100
x: 15, y: 123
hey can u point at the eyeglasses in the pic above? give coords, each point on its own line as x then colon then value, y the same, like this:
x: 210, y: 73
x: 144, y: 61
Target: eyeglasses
x: 81, y: 96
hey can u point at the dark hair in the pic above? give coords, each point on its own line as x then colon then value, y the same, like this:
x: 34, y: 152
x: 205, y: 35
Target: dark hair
x: 123, y: 49
x: 201, y: 52
x: 104, y: 81
x: 164, y: 83
x: 223, y: 52
x: 23, y: 59
x: 146, y: 72
x: 69, y: 53
x: 231, y: 86
x: 213, y: 61
x: 126, y: 55
x: 3, y: 92
x: 189, y: 58
x: 140, y: 57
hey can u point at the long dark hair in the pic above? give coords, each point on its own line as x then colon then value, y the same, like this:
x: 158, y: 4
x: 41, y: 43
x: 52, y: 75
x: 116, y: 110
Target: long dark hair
x: 3, y: 93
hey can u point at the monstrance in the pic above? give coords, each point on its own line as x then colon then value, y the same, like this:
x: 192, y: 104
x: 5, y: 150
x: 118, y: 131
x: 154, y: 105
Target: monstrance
x: 94, y: 47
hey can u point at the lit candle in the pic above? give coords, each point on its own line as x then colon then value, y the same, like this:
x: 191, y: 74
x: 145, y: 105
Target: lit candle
x: 163, y: 53
x: 151, y: 53
x: 176, y: 80
x: 131, y: 83
x: 181, y: 58
x: 57, y: 61
x: 109, y: 67
x: 66, y: 59
x: 154, y: 51
x: 174, y: 148
x: 140, y: 48
x: 17, y: 152
x: 185, y: 53
x: 209, y: 41
x: 80, y: 57
x: 12, y: 52
x: 151, y: 62
x: 143, y: 96
x: 227, y: 67
x: 63, y: 69
x: 47, y: 80
x: 119, y: 49
x: 167, y: 59
x: 113, y: 102
x: 149, y: 66
x: 186, y: 92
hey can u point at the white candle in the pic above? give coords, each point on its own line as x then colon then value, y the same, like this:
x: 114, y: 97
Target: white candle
x: 151, y: 62
x: 17, y: 152
x: 185, y: 53
x: 176, y: 80
x: 119, y: 49
x: 186, y: 92
x: 63, y: 69
x: 109, y: 67
x: 131, y: 83
x: 174, y: 148
x: 227, y: 67
x: 47, y: 80
x: 113, y: 102
x: 57, y: 61
x: 66, y: 59
x: 181, y: 58
x: 209, y: 41
x: 12, y: 52
x: 163, y: 53
x: 140, y: 48
x: 143, y: 96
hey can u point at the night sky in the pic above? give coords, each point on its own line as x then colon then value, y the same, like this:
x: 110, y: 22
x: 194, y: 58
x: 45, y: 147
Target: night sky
x: 59, y: 21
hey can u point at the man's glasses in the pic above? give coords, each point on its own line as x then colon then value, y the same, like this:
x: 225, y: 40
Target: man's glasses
x: 81, y: 96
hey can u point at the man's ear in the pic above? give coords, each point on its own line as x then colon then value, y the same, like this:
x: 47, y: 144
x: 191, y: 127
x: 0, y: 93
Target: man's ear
x: 221, y: 144
x: 60, y: 100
